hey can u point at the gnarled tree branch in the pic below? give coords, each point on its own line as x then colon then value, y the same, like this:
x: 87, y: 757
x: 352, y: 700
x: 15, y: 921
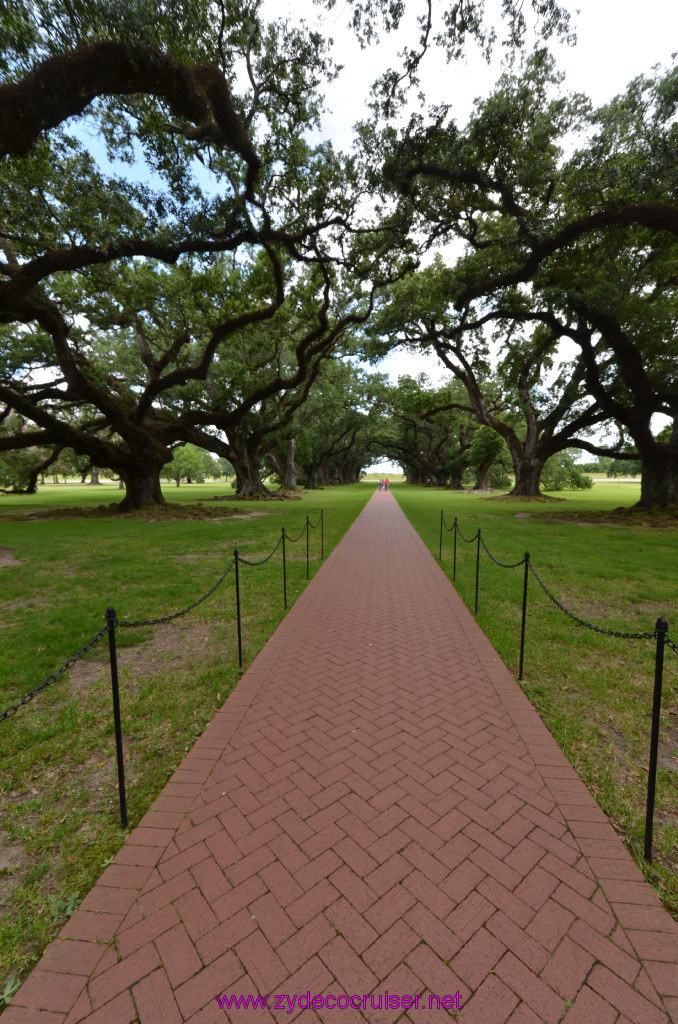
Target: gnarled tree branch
x: 64, y: 85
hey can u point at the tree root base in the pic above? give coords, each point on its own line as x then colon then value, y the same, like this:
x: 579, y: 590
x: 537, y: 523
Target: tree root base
x: 541, y: 498
x: 151, y: 513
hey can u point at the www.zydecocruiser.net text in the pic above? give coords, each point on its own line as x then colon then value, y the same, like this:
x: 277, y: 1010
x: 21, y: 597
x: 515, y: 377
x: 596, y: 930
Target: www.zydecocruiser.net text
x: 385, y: 1001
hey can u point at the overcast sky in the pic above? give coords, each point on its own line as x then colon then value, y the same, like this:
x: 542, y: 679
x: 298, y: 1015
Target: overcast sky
x: 616, y: 41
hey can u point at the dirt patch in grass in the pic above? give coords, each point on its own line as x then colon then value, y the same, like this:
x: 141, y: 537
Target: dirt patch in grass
x: 273, y: 496
x: 617, y: 739
x: 625, y: 517
x: 668, y: 745
x: 244, y: 514
x: 12, y: 858
x: 630, y: 772
x: 591, y: 611
x: 15, y: 865
x: 7, y: 559
x: 160, y: 514
x: 177, y: 642
x: 537, y: 498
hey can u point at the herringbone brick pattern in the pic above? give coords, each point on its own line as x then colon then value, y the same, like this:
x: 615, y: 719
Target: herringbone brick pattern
x: 376, y: 808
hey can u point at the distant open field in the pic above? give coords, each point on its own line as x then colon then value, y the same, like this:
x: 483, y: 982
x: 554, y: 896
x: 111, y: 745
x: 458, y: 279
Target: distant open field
x: 62, y: 495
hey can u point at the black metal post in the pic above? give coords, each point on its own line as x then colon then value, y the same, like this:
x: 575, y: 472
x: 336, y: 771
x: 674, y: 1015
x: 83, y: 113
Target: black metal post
x: 454, y: 563
x: 661, y: 629
x: 477, y: 570
x: 522, y: 628
x: 440, y: 549
x: 284, y: 568
x: 322, y: 536
x: 306, y: 547
x: 113, y: 654
x: 237, y: 606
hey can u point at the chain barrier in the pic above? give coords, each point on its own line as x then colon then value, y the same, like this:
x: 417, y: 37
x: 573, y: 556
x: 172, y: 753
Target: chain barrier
x: 10, y: 711
x: 261, y: 561
x: 582, y: 622
x: 504, y: 565
x: 293, y: 540
x: 465, y: 539
x: 660, y: 636
x: 112, y: 622
x: 28, y: 697
x: 448, y: 528
x: 175, y: 615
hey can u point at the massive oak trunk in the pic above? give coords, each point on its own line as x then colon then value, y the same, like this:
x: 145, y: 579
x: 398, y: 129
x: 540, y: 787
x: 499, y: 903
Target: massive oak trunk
x: 415, y: 475
x: 483, y: 473
x: 658, y: 462
x: 246, y: 462
x: 349, y: 473
x: 290, y: 469
x: 528, y: 475
x: 659, y: 477
x: 142, y: 486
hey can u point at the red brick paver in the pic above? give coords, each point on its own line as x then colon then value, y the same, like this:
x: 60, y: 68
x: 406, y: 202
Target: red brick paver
x: 376, y: 809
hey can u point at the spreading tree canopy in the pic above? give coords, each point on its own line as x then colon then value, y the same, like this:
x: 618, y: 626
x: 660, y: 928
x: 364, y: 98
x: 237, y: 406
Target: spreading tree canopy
x: 179, y: 254
x: 582, y: 244
x: 120, y: 292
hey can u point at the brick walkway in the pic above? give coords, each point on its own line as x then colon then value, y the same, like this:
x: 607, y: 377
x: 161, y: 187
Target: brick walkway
x: 376, y: 807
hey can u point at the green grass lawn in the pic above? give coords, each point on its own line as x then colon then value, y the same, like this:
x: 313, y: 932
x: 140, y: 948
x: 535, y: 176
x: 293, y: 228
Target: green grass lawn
x: 58, y: 795
x: 594, y: 692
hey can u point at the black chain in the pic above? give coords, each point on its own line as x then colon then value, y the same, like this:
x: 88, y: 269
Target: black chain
x: 138, y: 623
x: 554, y: 599
x: 176, y: 615
x: 27, y: 698
x: 465, y: 540
x: 504, y: 565
x: 262, y: 561
x: 314, y: 526
x: 293, y: 540
x: 582, y: 622
x: 449, y: 528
